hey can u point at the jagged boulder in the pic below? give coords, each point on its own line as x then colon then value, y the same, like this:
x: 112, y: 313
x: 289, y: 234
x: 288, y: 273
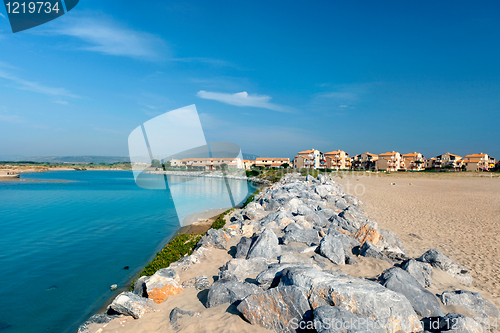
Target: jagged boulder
x: 421, y: 271
x: 240, y: 269
x: 265, y: 246
x: 130, y: 304
x: 390, y: 242
x: 140, y: 286
x: 278, y: 219
x: 224, y: 291
x: 471, y: 301
x: 424, y: 302
x: 370, y: 250
x: 282, y: 309
x: 333, y: 319
x: 101, y: 318
x: 368, y: 232
x: 271, y: 276
x: 308, y: 237
x: 332, y: 248
x: 355, y: 216
x: 214, y: 238
x: 439, y: 260
x: 163, y: 283
x: 242, y: 247
x: 178, y: 316
x: 352, y: 200
x: 359, y: 296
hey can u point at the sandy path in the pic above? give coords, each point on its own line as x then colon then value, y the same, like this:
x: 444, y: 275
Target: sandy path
x: 457, y: 215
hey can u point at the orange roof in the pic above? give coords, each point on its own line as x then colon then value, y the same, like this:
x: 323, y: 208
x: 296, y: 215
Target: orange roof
x: 475, y: 155
x: 306, y: 151
x: 367, y: 153
x: 450, y: 155
x: 271, y: 158
x: 336, y: 152
x: 389, y: 153
x: 411, y: 155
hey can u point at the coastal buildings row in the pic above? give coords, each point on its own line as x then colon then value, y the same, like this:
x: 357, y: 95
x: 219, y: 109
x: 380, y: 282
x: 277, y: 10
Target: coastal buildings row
x: 392, y: 161
x: 340, y: 160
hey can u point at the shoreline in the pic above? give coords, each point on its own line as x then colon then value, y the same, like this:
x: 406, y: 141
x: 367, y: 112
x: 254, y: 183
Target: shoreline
x: 201, y: 226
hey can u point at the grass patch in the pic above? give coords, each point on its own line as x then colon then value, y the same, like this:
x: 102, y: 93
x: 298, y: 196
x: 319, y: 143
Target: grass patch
x: 177, y: 248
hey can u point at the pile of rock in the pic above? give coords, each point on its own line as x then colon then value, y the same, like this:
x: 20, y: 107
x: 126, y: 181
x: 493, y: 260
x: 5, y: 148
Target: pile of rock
x: 279, y: 277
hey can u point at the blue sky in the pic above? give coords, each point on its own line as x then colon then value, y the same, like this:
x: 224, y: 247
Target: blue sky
x: 273, y: 77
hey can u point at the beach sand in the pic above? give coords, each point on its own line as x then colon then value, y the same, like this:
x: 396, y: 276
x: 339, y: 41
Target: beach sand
x: 458, y: 214
x: 200, y: 222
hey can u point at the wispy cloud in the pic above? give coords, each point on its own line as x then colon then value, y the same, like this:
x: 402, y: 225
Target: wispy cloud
x: 62, y: 102
x: 104, y: 35
x: 22, y: 84
x: 242, y: 99
x: 2, y: 15
x: 209, y: 61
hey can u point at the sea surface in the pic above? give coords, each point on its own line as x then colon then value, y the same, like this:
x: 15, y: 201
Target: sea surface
x: 63, y: 244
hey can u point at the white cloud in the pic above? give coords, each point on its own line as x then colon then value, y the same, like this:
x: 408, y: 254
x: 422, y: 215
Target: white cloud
x: 2, y: 15
x: 10, y: 118
x: 343, y: 106
x: 36, y: 87
x: 104, y: 35
x: 242, y: 99
x: 62, y: 102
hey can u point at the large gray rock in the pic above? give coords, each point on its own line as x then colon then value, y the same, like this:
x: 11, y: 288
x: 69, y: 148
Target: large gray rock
x: 282, y: 309
x: 439, y: 260
x: 332, y: 248
x: 333, y: 319
x: 271, y: 276
x: 100, y: 318
x: 359, y: 296
x: 265, y: 246
x: 308, y: 237
x: 424, y: 302
x: 163, y: 283
x: 224, y: 291
x: 390, y: 242
x: 352, y: 200
x: 240, y: 269
x: 130, y: 304
x: 341, y: 204
x: 178, y: 316
x: 214, y: 238
x: 471, y: 301
x: 278, y: 219
x: 140, y: 286
x: 242, y: 247
x: 355, y: 216
x: 370, y: 250
x: 339, y: 222
x: 421, y: 271
x: 452, y: 323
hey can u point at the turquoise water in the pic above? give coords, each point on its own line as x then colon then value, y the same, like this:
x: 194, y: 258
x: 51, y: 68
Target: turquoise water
x: 62, y: 244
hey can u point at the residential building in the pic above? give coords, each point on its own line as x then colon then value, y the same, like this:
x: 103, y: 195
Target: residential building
x: 248, y: 164
x: 448, y: 161
x: 308, y: 159
x: 365, y: 161
x: 271, y: 162
x: 390, y: 161
x: 430, y: 163
x: 208, y: 163
x: 477, y: 162
x: 338, y: 160
x: 414, y: 161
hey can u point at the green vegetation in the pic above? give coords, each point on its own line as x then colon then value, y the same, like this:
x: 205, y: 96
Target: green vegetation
x: 219, y: 222
x: 177, y: 248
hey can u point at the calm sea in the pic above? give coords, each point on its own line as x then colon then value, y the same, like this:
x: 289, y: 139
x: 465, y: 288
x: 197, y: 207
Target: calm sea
x: 63, y: 244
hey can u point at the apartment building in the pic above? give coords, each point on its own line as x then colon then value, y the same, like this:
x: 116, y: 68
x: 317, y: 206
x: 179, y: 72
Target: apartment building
x: 478, y: 162
x: 338, y: 160
x: 448, y: 161
x: 390, y: 161
x: 365, y: 161
x: 248, y: 164
x: 271, y: 162
x: 207, y: 163
x: 414, y: 161
x: 309, y: 159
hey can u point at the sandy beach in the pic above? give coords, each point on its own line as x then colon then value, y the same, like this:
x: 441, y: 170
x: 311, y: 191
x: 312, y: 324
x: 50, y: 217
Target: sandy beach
x: 458, y: 214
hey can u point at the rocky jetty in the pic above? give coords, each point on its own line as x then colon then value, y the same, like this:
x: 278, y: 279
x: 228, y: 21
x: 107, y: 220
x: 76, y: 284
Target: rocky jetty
x: 293, y: 249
